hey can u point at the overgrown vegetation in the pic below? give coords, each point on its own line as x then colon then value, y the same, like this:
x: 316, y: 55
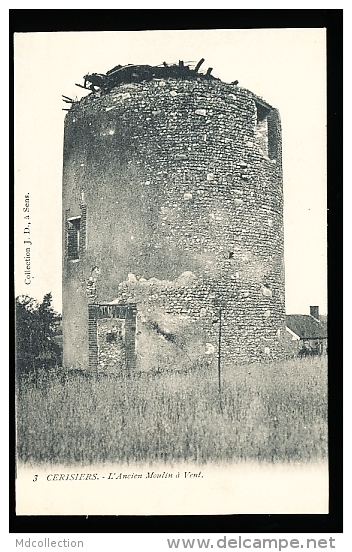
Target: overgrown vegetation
x: 36, y: 326
x: 274, y: 412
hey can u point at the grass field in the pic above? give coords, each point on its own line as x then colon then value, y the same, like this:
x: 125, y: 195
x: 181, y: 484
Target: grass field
x: 274, y: 412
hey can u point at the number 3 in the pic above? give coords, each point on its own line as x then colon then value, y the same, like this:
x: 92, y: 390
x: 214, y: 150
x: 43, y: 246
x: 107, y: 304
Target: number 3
x: 35, y: 478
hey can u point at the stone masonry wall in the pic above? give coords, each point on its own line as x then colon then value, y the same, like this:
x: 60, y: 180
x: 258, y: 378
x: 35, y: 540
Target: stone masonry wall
x: 180, y: 177
x: 111, y: 336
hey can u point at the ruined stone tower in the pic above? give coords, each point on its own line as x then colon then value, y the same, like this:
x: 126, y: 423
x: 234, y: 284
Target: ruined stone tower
x: 173, y: 208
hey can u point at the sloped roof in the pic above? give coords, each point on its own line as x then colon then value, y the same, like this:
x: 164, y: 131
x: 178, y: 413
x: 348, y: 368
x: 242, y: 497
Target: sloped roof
x: 305, y: 326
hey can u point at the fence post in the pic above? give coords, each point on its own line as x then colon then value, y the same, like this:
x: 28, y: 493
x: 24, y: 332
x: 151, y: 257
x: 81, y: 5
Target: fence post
x: 219, y: 354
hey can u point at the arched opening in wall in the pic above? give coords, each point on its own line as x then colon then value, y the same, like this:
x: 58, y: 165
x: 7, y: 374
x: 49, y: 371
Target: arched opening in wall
x: 264, y: 131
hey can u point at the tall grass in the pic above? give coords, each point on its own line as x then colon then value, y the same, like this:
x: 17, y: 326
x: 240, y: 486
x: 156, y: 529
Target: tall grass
x: 275, y: 412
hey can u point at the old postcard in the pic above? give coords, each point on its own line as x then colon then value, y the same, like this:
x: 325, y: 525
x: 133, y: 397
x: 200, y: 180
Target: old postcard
x: 170, y: 261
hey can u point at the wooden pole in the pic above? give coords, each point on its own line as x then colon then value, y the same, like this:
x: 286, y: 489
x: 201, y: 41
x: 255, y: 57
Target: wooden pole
x: 219, y: 354
x: 198, y: 65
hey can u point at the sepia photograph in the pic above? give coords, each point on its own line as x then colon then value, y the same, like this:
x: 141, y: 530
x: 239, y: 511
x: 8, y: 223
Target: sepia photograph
x: 171, y: 272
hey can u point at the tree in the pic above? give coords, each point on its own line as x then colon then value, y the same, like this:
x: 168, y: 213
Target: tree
x: 36, y: 326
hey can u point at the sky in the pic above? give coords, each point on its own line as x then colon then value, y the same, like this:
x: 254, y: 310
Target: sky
x: 286, y: 67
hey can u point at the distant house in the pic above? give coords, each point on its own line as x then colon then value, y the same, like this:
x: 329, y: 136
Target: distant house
x: 307, y: 333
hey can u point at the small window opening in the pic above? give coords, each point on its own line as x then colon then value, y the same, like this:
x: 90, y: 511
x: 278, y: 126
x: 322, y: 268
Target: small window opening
x: 264, y: 132
x: 262, y: 113
x: 261, y: 130
x: 73, y: 238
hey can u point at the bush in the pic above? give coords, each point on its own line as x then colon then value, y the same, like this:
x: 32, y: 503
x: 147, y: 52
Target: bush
x: 36, y: 326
